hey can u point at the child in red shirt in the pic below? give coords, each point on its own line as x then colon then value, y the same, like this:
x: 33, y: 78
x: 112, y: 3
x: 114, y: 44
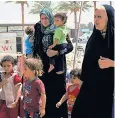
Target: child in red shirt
x: 72, y: 91
x: 34, y: 90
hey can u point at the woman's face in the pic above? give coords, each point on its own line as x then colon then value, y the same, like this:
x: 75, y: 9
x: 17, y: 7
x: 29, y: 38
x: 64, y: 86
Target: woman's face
x: 44, y: 20
x: 100, y: 19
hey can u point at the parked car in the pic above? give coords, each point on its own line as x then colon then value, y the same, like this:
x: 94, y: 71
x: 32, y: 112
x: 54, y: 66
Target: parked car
x: 84, y: 38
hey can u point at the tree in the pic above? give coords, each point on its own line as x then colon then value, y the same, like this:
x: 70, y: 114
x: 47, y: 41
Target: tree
x: 73, y: 6
x: 22, y: 3
x: 39, y: 5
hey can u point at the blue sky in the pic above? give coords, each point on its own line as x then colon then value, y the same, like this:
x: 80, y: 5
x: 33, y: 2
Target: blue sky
x: 11, y: 13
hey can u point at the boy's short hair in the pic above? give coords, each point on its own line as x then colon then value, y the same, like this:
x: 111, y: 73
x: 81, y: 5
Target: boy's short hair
x: 76, y: 73
x: 7, y: 58
x: 29, y: 30
x: 62, y: 16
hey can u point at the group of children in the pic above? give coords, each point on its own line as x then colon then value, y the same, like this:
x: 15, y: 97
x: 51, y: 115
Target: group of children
x: 33, y: 90
x: 28, y: 96
x: 33, y: 93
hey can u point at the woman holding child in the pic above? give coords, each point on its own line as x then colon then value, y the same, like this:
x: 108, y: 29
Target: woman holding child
x: 54, y: 70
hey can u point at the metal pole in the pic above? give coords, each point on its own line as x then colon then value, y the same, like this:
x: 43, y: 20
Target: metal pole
x: 77, y: 36
x: 75, y: 15
x: 22, y: 8
x: 111, y: 3
x: 7, y: 29
x: 94, y: 5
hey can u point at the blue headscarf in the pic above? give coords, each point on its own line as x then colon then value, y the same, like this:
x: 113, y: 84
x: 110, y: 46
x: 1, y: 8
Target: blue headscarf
x: 51, y: 27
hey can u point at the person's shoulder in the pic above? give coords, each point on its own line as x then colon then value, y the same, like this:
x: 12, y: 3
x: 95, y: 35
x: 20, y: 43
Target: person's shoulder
x: 17, y: 78
x: 39, y: 84
x: 38, y: 24
x: 58, y: 28
x: 27, y: 38
x: 38, y: 81
x: 69, y: 86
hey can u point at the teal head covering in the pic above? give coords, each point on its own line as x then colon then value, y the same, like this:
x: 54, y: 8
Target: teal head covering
x: 51, y: 26
x: 49, y: 15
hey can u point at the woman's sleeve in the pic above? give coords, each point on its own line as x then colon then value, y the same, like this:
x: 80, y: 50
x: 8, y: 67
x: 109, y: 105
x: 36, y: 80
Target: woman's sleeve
x: 67, y: 49
x: 57, y: 34
x: 37, y: 45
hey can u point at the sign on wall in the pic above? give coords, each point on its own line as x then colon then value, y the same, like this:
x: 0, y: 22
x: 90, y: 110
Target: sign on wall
x: 7, y: 42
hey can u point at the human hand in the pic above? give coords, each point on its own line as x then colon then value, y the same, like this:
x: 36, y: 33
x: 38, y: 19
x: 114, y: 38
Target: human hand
x: 13, y: 105
x: 51, y: 46
x: 105, y: 62
x: 51, y: 53
x: 58, y: 104
x: 20, y: 64
x: 41, y: 112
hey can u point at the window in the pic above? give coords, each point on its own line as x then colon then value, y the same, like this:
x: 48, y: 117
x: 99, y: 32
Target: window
x: 19, y: 44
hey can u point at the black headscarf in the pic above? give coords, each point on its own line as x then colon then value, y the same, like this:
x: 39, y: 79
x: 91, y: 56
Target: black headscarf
x: 110, y: 25
x: 96, y: 94
x: 98, y: 46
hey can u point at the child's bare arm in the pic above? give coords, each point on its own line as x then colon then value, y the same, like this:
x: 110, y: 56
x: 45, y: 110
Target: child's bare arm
x: 63, y: 99
x: 54, y: 43
x: 18, y: 88
x: 41, y: 89
x: 43, y: 98
x: 18, y: 91
x: 43, y: 105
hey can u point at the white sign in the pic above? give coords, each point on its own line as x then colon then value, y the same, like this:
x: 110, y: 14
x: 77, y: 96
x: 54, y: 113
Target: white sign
x: 8, y: 43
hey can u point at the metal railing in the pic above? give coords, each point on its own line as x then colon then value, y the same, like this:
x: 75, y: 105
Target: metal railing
x: 13, y: 27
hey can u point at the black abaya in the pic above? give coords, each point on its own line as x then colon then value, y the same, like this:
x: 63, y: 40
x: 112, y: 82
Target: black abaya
x: 96, y: 94
x: 54, y: 83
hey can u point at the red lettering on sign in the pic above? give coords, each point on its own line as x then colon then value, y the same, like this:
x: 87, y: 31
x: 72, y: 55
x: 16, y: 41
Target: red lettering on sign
x: 6, y: 48
x: 11, y: 47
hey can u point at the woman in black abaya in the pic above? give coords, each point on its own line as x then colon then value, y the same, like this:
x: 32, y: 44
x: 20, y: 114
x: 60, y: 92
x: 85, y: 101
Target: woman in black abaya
x: 54, y: 83
x: 96, y: 95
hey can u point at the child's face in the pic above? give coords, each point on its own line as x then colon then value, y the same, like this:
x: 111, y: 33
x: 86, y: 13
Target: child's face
x: 7, y: 66
x: 75, y: 80
x: 28, y: 73
x: 58, y: 21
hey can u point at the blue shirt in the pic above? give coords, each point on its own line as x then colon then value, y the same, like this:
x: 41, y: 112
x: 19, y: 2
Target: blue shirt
x: 28, y: 46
